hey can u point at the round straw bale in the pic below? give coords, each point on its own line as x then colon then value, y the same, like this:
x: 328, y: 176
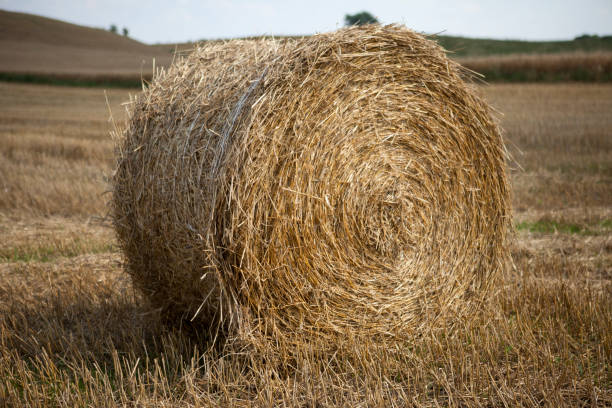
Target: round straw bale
x: 349, y: 181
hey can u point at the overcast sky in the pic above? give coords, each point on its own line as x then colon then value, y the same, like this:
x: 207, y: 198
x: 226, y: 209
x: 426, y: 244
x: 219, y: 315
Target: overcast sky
x: 184, y: 20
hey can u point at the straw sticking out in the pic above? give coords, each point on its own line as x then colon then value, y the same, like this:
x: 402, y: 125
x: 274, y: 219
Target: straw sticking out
x: 346, y: 182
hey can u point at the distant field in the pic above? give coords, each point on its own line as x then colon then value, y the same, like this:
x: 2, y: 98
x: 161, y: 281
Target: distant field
x: 74, y: 333
x: 481, y: 47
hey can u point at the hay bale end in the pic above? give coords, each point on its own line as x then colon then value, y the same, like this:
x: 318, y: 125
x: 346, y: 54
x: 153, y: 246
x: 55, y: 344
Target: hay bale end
x: 349, y: 181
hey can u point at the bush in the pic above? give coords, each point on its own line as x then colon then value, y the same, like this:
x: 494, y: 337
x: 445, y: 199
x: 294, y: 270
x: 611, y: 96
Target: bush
x: 359, y: 19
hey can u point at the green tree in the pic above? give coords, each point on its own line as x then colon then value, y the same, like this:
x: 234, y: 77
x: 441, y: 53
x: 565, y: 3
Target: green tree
x: 125, y: 31
x: 113, y: 29
x: 359, y: 19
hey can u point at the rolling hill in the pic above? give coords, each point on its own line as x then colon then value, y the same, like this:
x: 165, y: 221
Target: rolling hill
x: 34, y: 45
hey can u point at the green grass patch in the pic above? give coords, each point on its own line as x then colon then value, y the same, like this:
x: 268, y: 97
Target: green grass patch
x: 50, y: 252
x: 548, y: 227
x: 469, y: 47
x: 605, y: 224
x: 553, y: 227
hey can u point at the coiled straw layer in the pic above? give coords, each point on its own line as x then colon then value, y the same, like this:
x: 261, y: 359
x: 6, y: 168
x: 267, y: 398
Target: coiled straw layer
x: 346, y: 182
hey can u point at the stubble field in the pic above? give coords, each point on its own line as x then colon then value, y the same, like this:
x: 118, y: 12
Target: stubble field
x: 73, y: 332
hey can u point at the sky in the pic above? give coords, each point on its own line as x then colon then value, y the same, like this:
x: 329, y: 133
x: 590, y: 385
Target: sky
x: 165, y: 21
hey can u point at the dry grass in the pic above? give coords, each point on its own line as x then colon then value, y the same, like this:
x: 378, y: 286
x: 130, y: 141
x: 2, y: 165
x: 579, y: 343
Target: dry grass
x: 47, y: 239
x: 74, y: 333
x: 54, y: 159
x: 562, y: 140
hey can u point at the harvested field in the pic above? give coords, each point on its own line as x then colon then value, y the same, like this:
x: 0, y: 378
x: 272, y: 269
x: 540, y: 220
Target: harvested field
x: 74, y: 332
